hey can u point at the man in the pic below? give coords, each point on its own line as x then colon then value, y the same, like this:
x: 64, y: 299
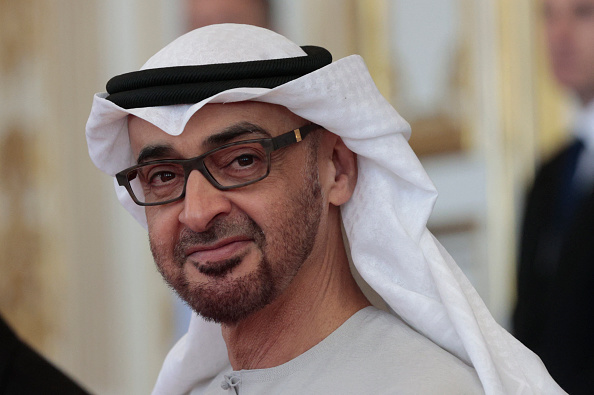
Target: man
x: 554, y: 315
x: 242, y: 153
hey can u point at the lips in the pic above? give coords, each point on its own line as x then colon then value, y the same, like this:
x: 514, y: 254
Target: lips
x: 223, y: 250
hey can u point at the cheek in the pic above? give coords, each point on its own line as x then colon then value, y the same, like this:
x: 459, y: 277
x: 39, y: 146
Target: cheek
x: 263, y: 210
x: 162, y: 225
x: 269, y: 208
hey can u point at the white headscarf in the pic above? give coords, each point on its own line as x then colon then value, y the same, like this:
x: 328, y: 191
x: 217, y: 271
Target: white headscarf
x: 385, y: 220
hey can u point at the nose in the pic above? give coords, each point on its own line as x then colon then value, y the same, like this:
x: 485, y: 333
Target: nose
x: 202, y: 203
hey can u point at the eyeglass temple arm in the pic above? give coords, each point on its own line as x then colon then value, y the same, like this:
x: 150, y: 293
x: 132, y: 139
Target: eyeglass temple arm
x: 294, y: 136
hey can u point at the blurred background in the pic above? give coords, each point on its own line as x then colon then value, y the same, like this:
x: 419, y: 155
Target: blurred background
x: 77, y: 280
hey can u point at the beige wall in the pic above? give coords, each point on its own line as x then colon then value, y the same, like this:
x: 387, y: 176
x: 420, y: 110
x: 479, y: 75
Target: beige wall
x: 88, y: 295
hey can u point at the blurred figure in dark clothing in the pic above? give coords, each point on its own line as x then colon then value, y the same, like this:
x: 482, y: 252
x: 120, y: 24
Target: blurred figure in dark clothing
x: 23, y: 371
x: 554, y: 315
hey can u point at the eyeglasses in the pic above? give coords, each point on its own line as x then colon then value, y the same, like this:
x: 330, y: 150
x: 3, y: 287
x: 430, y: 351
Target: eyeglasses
x: 229, y: 166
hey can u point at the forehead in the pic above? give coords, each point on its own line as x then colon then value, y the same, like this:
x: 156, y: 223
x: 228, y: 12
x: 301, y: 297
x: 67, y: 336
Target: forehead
x: 212, y: 119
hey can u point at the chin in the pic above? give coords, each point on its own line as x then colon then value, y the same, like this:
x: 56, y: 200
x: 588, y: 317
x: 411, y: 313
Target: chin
x: 230, y: 300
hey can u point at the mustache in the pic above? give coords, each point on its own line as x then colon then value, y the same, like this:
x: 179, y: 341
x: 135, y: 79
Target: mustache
x: 221, y: 228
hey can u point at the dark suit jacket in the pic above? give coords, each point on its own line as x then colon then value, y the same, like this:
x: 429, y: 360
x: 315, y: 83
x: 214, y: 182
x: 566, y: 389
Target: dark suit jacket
x: 554, y: 315
x: 23, y: 371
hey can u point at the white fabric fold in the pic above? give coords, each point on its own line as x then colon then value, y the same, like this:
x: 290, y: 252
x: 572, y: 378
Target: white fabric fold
x: 385, y: 220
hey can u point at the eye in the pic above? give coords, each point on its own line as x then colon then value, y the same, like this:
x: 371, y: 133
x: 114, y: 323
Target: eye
x: 161, y: 174
x: 245, y: 160
x: 162, y: 177
x: 237, y: 163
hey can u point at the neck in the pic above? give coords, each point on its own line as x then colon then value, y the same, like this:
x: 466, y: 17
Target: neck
x: 321, y: 297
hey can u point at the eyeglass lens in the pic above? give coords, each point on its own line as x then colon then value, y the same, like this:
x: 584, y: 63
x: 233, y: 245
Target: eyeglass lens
x: 229, y: 166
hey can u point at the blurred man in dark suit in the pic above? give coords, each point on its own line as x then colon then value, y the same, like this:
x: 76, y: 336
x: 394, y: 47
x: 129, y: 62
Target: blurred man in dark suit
x: 554, y: 315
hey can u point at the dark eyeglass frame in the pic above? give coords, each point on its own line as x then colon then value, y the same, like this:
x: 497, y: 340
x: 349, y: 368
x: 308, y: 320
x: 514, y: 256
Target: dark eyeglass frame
x: 269, y: 144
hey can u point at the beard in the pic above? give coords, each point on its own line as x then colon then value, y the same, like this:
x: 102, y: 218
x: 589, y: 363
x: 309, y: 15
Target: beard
x: 287, y: 244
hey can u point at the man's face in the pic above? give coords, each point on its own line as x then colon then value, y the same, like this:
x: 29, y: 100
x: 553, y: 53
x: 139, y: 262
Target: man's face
x: 230, y: 253
x: 570, y: 37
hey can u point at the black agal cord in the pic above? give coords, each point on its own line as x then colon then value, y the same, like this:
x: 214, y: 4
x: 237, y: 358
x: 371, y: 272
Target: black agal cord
x: 191, y: 84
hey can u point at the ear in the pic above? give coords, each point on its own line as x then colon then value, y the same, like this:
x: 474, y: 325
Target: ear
x: 344, y: 169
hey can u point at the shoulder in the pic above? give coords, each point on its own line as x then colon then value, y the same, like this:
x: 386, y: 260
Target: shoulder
x: 377, y: 352
x: 552, y: 167
x: 373, y: 352
x: 407, y: 350
x: 548, y: 180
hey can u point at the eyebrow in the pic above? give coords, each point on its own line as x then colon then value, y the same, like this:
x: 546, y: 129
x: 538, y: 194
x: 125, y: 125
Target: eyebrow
x: 153, y: 152
x: 230, y: 133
